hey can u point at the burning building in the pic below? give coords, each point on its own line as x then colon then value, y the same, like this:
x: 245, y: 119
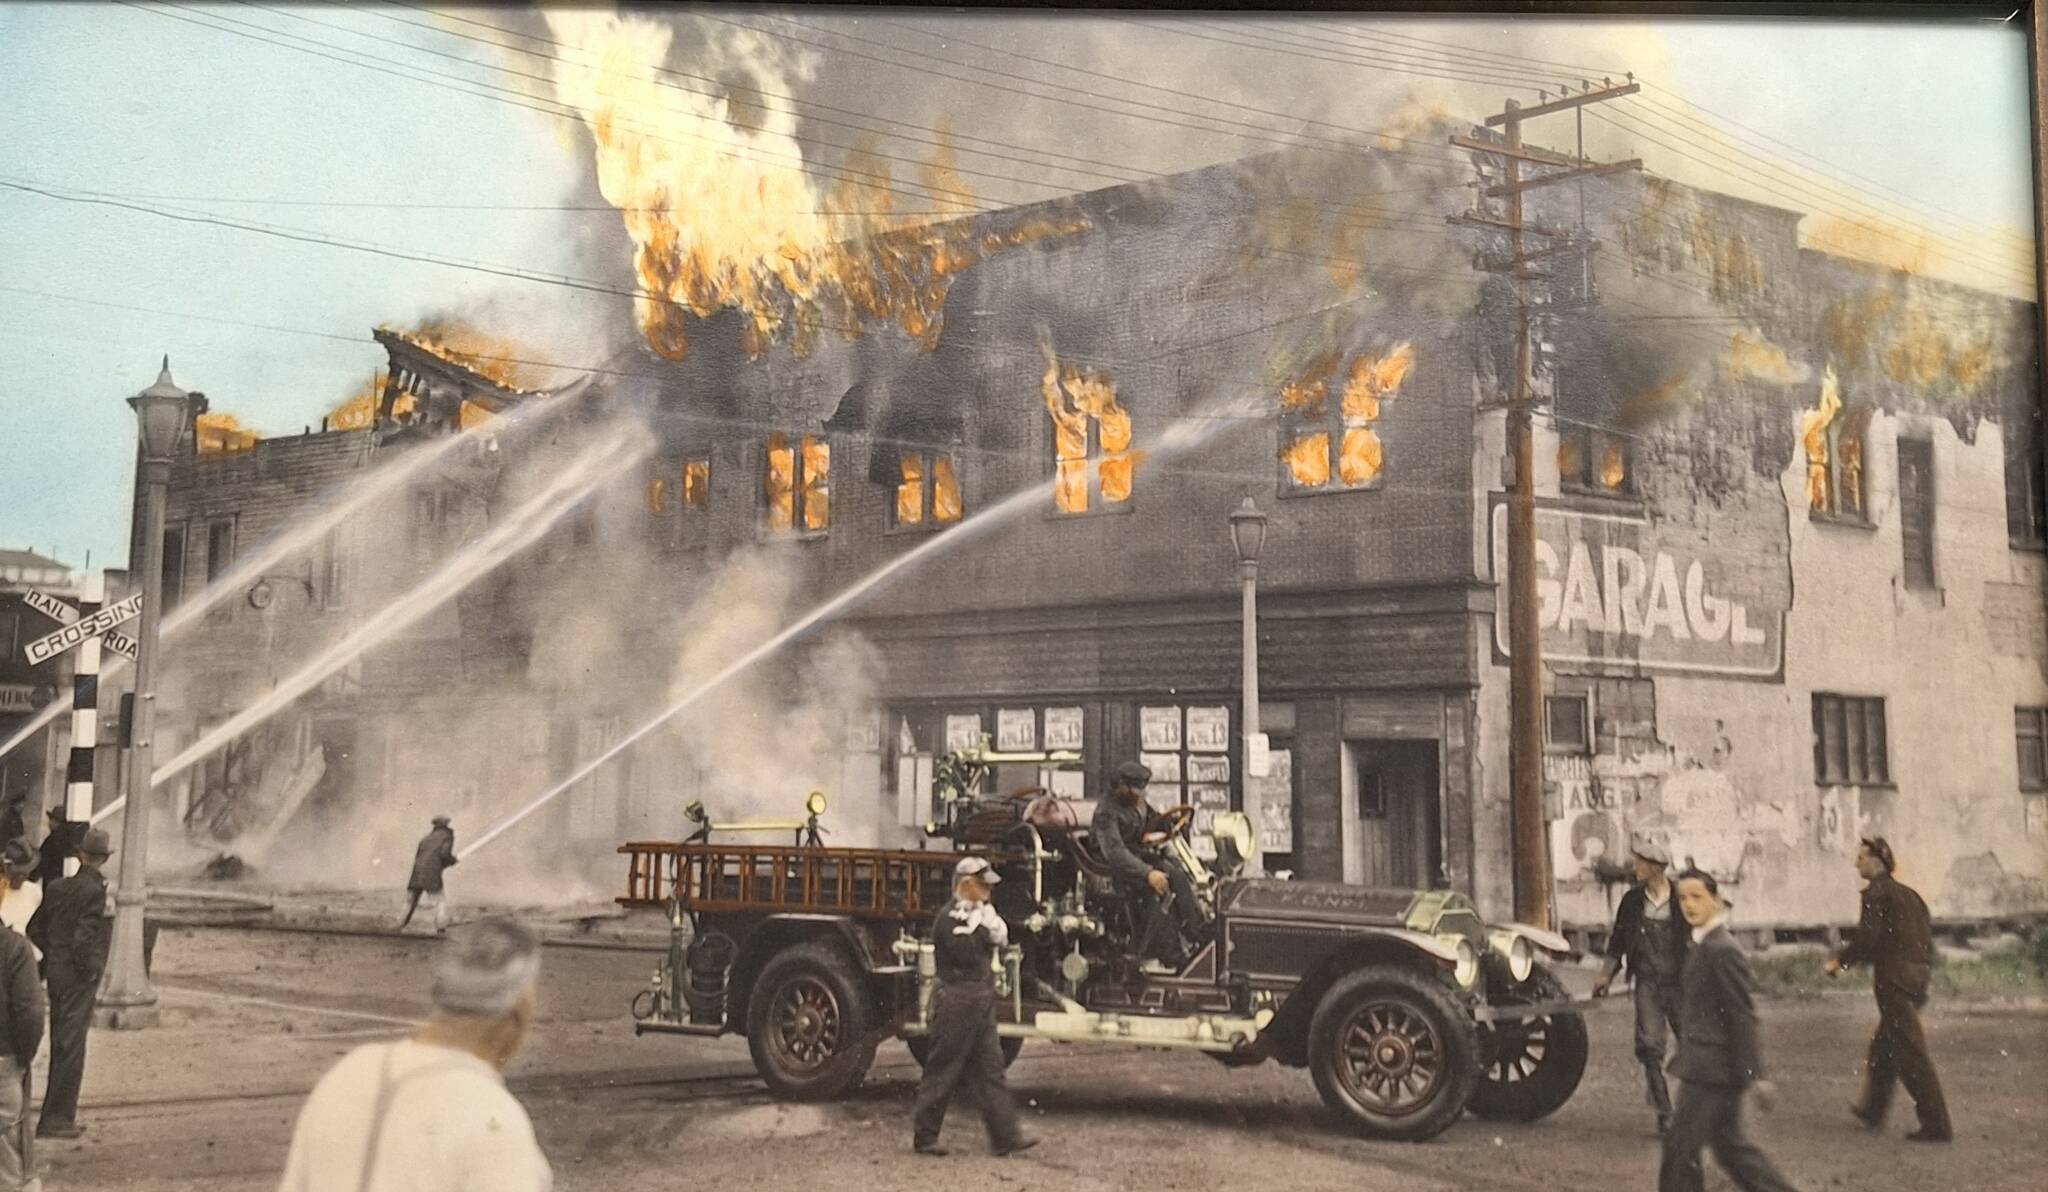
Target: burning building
x: 1791, y: 545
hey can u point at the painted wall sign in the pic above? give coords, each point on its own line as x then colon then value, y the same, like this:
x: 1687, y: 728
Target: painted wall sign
x: 1624, y: 590
x: 21, y: 697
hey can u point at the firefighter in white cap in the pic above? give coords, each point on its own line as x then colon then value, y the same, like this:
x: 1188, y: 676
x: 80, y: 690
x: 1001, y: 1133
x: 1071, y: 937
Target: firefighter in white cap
x: 1651, y: 937
x: 964, y: 1047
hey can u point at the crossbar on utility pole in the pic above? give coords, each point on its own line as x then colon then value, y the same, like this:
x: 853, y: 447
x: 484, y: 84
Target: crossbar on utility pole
x: 1532, y: 884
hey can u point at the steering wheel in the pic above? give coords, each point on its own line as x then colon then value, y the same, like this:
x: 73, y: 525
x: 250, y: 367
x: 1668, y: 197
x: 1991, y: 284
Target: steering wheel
x: 1171, y: 822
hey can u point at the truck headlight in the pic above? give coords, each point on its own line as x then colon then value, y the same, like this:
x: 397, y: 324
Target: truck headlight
x: 1521, y: 957
x: 1466, y: 968
x: 1231, y: 831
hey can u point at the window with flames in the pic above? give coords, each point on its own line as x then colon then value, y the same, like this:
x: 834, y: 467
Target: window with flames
x: 1590, y: 460
x: 1089, y: 428
x: 1832, y: 438
x: 927, y: 489
x: 1331, y: 446
x: 796, y: 477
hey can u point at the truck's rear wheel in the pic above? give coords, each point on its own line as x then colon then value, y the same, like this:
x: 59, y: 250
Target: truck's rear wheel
x: 1393, y: 1051
x: 921, y: 1048
x: 809, y: 1024
x: 1534, y: 1064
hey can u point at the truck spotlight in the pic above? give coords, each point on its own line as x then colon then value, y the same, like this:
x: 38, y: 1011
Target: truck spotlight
x: 1231, y: 831
x: 815, y: 804
x: 1466, y: 971
x: 1516, y: 951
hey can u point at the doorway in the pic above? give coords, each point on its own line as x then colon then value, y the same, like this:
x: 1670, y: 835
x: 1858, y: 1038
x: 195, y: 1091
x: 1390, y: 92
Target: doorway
x: 1392, y: 814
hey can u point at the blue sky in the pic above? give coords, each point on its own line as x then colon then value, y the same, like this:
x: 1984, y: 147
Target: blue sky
x: 147, y: 103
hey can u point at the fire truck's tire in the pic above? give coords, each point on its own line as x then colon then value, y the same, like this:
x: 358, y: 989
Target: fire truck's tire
x: 810, y: 1024
x: 921, y: 1049
x: 1394, y: 1052
x: 1534, y: 1066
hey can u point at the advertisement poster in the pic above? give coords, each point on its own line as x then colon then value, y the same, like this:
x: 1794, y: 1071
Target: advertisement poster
x: 1272, y: 805
x: 962, y: 732
x: 1016, y: 730
x: 1207, y: 801
x: 1208, y: 730
x: 1063, y: 728
x: 1165, y: 767
x: 1209, y: 770
x: 1158, y: 729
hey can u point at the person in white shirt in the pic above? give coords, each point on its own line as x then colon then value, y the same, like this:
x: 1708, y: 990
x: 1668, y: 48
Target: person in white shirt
x: 431, y: 1113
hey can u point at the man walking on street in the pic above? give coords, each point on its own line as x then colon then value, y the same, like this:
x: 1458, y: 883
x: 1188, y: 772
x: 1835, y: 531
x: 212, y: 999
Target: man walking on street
x: 1895, y: 938
x: 1652, y: 938
x: 22, y: 1013
x: 432, y: 1113
x: 74, y: 933
x: 964, y: 1047
x: 435, y: 853
x: 1719, y: 1058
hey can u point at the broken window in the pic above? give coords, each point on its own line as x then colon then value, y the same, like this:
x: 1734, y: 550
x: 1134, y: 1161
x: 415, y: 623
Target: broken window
x: 1832, y: 438
x: 1567, y: 723
x: 1328, y: 446
x: 1089, y: 427
x: 1849, y: 741
x: 1916, y: 511
x: 2030, y: 729
x: 927, y: 489
x: 796, y: 480
x: 2026, y: 504
x: 1590, y: 460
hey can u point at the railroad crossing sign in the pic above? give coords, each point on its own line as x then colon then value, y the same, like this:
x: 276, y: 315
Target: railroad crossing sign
x: 77, y: 630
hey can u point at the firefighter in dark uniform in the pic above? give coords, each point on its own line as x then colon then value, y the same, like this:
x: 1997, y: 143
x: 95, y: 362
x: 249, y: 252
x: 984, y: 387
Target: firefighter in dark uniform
x: 964, y: 1047
x: 72, y: 930
x: 1895, y: 938
x: 1118, y: 832
x: 1651, y: 938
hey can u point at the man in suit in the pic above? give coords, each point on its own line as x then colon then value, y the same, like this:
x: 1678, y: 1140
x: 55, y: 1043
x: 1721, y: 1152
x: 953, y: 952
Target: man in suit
x: 22, y: 1014
x: 59, y: 845
x: 1652, y: 938
x: 1895, y: 938
x: 1718, y: 1055
x: 435, y: 853
x: 74, y: 933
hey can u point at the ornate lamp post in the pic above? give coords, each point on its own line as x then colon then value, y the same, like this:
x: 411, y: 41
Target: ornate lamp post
x: 1248, y: 535
x: 164, y: 415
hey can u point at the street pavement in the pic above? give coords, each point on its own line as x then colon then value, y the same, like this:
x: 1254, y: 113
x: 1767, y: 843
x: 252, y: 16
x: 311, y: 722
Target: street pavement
x: 252, y: 1018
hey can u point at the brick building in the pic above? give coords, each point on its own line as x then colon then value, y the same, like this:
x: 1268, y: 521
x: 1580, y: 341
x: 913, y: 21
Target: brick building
x: 1791, y: 531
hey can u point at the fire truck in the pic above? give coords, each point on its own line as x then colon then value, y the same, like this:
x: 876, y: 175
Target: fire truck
x: 1405, y: 1007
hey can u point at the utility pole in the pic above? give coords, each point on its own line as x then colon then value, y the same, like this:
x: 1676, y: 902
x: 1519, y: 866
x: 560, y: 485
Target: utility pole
x: 1525, y: 646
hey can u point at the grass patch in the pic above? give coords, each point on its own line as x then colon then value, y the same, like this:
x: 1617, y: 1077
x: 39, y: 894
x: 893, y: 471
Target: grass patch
x: 2015, y: 970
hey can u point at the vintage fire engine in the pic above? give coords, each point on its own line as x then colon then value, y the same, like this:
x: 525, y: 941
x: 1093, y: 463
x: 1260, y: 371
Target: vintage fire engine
x: 1404, y: 1006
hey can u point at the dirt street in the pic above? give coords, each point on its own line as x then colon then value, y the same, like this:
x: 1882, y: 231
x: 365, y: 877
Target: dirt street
x: 252, y: 1018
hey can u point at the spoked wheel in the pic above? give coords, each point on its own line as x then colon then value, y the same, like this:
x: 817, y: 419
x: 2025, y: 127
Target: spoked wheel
x: 1533, y: 1065
x: 808, y: 1025
x: 1395, y: 1052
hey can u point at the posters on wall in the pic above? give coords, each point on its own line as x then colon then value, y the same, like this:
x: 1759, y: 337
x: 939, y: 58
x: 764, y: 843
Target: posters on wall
x: 1159, y: 730
x: 963, y: 732
x: 1210, y: 770
x: 1208, y: 730
x: 1165, y: 767
x: 1207, y: 801
x: 1016, y: 730
x: 1272, y: 804
x: 1063, y: 728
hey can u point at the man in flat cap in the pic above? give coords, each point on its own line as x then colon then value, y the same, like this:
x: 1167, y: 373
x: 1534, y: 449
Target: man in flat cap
x: 1651, y: 937
x: 1896, y: 939
x: 964, y: 1048
x: 432, y: 1113
x: 23, y: 1010
x: 1143, y: 879
x: 433, y: 855
x: 73, y: 931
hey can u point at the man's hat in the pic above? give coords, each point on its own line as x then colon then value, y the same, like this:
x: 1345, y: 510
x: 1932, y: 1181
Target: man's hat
x: 1649, y: 850
x: 95, y: 843
x: 1134, y: 773
x: 976, y: 867
x: 440, y: 821
x: 16, y: 856
x: 1881, y: 849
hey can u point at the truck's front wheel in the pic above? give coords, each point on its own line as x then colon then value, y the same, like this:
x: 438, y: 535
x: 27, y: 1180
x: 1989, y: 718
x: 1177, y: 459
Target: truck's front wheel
x: 1395, y: 1052
x: 808, y: 1025
x: 1533, y: 1064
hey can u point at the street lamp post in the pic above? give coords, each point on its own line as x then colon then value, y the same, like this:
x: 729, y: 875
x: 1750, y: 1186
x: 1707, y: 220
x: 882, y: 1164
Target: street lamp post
x: 1248, y: 535
x: 164, y: 415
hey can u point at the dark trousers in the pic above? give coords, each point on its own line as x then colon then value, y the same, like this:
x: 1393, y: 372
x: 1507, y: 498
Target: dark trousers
x: 966, y: 1056
x: 1161, y: 938
x: 1656, y: 1006
x: 1709, y: 1116
x: 1898, y: 1055
x: 71, y: 1003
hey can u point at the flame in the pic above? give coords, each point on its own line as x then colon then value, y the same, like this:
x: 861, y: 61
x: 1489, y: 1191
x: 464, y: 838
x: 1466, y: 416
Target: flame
x: 1308, y: 460
x: 817, y: 483
x: 1660, y: 399
x: 945, y: 490
x: 490, y: 357
x: 1074, y: 397
x: 657, y: 497
x: 1306, y: 394
x: 1750, y: 354
x: 1813, y: 435
x: 696, y: 483
x: 1359, y: 459
x: 1360, y: 454
x: 780, y: 482
x: 722, y: 210
x: 910, y: 489
x: 1613, y: 465
x: 221, y: 433
x: 1891, y: 245
x: 1571, y: 459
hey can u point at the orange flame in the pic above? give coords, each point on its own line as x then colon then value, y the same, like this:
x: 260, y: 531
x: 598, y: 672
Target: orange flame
x: 1360, y: 453
x: 696, y: 483
x: 1613, y: 465
x: 1075, y: 397
x: 910, y: 489
x: 1813, y: 436
x: 221, y: 433
x: 945, y: 490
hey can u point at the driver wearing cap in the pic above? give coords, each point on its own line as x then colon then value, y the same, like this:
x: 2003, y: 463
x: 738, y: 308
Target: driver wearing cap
x: 1118, y: 832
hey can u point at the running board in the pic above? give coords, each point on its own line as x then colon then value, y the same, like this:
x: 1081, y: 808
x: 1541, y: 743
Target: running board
x: 650, y: 1027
